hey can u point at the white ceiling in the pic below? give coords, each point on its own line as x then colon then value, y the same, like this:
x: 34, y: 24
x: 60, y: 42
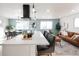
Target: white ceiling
x: 61, y: 9
x: 52, y: 10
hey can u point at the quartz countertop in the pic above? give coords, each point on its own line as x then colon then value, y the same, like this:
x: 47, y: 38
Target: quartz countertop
x: 37, y: 39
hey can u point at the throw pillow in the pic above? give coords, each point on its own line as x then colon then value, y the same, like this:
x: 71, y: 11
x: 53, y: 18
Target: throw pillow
x: 75, y: 37
x: 64, y: 33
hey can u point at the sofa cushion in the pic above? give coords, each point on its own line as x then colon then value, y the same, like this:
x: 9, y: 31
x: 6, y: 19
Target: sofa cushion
x: 70, y: 34
x: 76, y: 38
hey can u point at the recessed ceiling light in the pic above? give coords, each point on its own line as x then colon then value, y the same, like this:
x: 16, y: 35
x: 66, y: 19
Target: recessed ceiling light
x: 73, y: 10
x: 48, y: 10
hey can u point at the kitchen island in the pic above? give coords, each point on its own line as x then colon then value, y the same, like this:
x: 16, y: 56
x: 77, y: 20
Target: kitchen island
x: 19, y: 47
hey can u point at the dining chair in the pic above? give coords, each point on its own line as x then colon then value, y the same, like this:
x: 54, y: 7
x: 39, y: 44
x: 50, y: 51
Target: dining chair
x: 45, y: 33
x: 47, y: 49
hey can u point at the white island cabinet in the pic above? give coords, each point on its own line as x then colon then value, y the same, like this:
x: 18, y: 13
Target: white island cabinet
x: 19, y: 47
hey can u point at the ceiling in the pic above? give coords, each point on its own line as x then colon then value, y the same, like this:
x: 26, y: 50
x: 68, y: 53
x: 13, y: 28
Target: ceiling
x: 60, y: 9
x: 52, y: 10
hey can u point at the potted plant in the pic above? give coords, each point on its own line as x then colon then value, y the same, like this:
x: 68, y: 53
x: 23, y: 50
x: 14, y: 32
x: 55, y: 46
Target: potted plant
x: 9, y: 28
x: 58, y: 26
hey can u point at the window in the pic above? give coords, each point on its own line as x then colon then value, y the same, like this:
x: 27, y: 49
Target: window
x: 22, y: 25
x: 46, y: 25
x: 76, y: 23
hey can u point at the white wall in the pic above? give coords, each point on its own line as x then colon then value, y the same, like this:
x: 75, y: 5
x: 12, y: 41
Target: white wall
x: 69, y: 20
x: 3, y: 24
